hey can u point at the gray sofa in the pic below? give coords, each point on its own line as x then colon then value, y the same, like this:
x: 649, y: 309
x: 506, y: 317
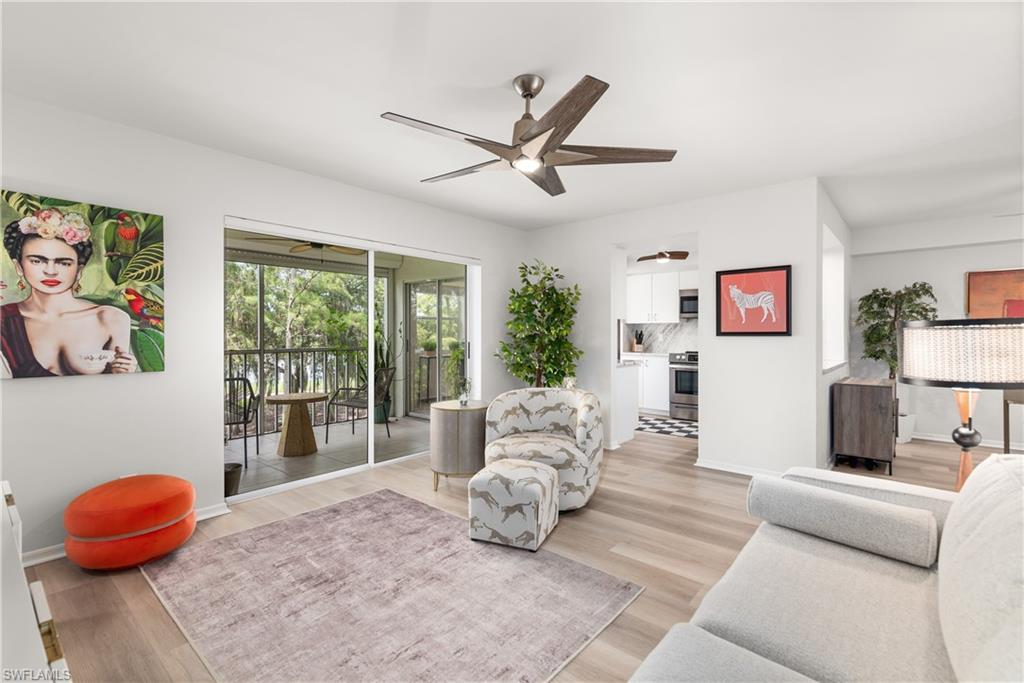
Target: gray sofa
x: 853, y: 578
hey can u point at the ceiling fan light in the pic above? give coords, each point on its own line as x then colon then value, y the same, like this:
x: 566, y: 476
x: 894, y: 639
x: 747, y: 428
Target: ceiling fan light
x: 525, y: 164
x: 663, y: 257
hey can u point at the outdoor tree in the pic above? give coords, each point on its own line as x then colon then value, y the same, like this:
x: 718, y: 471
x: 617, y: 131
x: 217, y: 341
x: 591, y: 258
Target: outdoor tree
x: 881, y: 311
x: 543, y: 313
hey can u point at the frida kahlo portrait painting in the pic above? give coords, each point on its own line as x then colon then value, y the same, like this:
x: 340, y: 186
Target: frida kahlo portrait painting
x: 81, y: 288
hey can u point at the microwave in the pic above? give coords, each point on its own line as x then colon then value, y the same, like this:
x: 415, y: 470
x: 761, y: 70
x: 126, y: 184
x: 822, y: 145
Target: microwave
x: 687, y: 303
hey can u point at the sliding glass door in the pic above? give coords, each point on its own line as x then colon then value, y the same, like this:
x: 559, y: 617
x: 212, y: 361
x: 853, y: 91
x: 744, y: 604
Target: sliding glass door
x: 437, y: 342
x: 361, y: 341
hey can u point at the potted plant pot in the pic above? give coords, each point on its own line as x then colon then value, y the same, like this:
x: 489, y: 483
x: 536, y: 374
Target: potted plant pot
x: 380, y: 413
x: 232, y: 478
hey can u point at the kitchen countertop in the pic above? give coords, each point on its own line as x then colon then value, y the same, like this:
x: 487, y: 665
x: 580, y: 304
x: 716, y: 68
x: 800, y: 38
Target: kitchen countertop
x: 644, y: 353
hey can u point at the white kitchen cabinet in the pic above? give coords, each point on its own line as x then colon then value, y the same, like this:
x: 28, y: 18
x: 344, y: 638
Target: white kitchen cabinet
x: 638, y: 299
x: 665, y: 298
x: 689, y: 279
x: 653, y: 380
x: 652, y: 298
x: 655, y: 383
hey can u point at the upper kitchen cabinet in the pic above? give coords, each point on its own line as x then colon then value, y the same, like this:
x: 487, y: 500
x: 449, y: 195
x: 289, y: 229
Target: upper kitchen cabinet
x: 638, y: 299
x: 652, y: 298
x: 689, y: 279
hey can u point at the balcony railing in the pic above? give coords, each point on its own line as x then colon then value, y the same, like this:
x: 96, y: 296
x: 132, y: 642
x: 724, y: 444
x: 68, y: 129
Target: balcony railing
x: 278, y: 371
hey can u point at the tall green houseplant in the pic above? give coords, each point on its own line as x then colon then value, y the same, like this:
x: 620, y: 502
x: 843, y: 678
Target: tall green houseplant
x: 539, y: 350
x: 880, y: 313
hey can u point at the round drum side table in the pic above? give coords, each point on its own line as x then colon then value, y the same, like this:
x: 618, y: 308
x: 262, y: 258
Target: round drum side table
x: 457, y: 438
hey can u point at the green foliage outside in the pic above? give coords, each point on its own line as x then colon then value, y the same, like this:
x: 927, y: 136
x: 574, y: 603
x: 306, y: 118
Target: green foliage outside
x: 539, y: 350
x: 880, y: 313
x: 304, y: 308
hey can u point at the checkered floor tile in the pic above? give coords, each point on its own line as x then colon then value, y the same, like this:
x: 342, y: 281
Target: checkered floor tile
x: 667, y: 425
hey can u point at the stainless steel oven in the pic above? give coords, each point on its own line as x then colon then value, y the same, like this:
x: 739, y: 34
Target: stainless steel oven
x: 683, y: 385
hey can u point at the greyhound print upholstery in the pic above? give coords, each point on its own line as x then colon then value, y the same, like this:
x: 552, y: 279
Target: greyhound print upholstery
x: 512, y: 502
x: 558, y: 427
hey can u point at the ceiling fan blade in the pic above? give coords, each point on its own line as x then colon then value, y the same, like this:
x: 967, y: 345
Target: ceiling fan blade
x: 672, y: 256
x: 492, y: 165
x: 613, y: 155
x: 348, y: 251
x: 436, y: 130
x: 560, y: 157
x: 535, y: 146
x: 299, y: 248
x: 547, y: 179
x: 569, y: 111
x: 505, y: 152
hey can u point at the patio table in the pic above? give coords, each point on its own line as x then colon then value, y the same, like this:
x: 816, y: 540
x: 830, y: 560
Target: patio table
x: 297, y: 436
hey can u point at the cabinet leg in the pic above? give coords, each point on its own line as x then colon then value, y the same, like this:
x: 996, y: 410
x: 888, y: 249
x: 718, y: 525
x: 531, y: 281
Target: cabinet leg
x: 435, y: 481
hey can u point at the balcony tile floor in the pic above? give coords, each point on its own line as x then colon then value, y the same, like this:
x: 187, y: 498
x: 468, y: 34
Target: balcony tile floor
x: 408, y: 436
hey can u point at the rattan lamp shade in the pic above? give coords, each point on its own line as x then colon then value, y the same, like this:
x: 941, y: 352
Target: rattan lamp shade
x: 982, y: 353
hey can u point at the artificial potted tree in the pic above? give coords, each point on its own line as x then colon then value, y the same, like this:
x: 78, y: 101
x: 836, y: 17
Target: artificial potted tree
x: 539, y: 350
x: 880, y: 313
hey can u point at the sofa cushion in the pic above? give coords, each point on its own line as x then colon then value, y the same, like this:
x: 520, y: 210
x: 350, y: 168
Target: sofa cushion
x: 896, y: 531
x: 981, y: 573
x: 688, y: 653
x: 934, y: 501
x: 576, y: 479
x: 828, y: 611
x: 557, y: 450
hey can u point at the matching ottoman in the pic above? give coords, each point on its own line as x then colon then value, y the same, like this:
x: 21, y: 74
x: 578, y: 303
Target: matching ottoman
x: 514, y: 503
x: 129, y: 521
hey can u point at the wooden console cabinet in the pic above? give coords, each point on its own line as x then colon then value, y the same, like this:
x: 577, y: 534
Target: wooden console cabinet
x: 864, y: 419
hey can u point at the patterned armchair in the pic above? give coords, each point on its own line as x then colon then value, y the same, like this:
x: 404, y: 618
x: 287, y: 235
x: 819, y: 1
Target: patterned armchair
x: 558, y: 427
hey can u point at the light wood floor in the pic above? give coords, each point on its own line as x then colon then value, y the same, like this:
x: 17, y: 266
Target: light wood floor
x: 343, y: 449
x: 656, y: 519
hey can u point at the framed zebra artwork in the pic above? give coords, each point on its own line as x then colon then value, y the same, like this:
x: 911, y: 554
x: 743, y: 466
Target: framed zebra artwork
x: 753, y: 301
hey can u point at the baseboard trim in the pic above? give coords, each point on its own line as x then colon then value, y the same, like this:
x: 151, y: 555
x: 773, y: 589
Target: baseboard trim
x: 40, y: 555
x: 209, y: 511
x: 987, y: 443
x: 734, y: 469
x: 56, y: 552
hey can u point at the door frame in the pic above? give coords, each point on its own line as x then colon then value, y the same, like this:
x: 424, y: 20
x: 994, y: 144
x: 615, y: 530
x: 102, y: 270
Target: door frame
x: 410, y: 319
x: 471, y: 312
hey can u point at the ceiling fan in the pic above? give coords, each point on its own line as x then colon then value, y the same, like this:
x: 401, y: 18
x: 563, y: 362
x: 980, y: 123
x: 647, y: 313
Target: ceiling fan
x: 302, y: 246
x: 537, y: 147
x: 665, y: 256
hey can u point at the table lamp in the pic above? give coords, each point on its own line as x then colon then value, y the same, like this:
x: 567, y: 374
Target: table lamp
x: 966, y: 355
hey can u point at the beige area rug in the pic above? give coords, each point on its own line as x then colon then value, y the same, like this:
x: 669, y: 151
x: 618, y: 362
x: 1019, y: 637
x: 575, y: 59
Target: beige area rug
x: 382, y: 588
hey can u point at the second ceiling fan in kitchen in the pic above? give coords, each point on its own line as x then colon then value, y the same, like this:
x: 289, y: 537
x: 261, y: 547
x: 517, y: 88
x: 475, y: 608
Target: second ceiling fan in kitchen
x: 537, y: 144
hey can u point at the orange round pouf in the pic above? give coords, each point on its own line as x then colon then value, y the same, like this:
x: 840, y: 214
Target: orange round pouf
x: 129, y: 521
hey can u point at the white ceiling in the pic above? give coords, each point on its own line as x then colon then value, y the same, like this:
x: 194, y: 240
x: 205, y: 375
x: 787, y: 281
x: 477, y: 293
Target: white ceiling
x: 908, y: 111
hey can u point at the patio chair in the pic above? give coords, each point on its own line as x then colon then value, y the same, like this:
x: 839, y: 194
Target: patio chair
x: 240, y: 406
x: 355, y: 399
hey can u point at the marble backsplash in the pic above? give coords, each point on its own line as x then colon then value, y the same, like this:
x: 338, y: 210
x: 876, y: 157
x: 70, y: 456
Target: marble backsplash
x: 667, y: 338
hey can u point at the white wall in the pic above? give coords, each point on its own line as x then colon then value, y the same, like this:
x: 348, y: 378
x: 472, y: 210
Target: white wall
x: 758, y: 394
x: 945, y: 269
x: 62, y: 436
x: 835, y: 248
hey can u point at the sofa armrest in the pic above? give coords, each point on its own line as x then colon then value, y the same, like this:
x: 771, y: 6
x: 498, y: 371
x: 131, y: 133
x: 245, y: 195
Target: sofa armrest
x: 902, y: 533
x: 589, y: 426
x: 935, y: 501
